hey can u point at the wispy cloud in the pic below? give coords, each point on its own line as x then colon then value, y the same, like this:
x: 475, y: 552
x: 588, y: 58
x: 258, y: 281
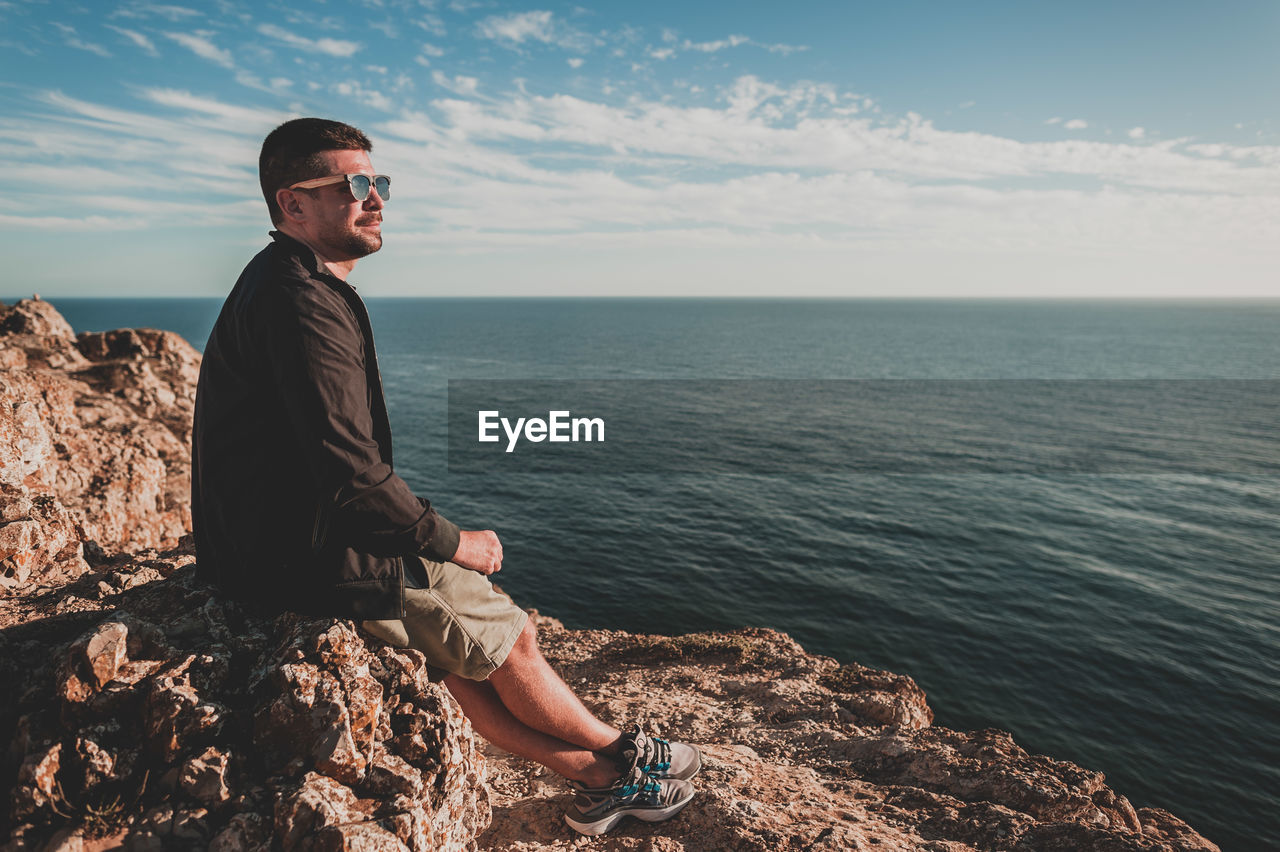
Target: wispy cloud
x: 713, y: 46
x: 540, y: 26
x: 137, y: 38
x: 71, y: 39
x: 174, y: 14
x: 244, y: 119
x: 429, y: 52
x: 432, y: 24
x: 327, y: 46
x: 202, y: 45
x: 1137, y: 132
x: 784, y: 49
x: 1075, y: 124
x: 673, y: 44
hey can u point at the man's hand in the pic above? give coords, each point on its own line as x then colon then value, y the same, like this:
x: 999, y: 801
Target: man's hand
x: 479, y: 550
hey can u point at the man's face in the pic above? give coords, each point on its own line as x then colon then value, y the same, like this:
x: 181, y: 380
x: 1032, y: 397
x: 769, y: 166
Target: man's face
x: 339, y: 226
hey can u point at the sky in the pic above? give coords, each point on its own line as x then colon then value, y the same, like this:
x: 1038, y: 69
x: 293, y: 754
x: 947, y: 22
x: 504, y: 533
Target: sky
x: 746, y: 149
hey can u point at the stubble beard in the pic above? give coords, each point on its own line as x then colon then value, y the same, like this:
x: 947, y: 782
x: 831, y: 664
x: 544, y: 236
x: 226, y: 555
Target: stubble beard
x: 355, y: 243
x: 360, y: 244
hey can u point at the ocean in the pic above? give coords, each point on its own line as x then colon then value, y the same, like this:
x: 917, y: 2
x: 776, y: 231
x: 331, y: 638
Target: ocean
x: 1119, y: 612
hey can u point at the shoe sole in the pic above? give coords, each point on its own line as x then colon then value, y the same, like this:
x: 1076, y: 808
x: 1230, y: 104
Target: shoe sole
x: 604, y: 825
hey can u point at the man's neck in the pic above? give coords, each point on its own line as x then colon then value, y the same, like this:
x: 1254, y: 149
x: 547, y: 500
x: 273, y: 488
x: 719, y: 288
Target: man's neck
x: 337, y: 268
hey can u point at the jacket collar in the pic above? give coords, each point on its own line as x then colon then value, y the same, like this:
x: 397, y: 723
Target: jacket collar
x: 304, y: 254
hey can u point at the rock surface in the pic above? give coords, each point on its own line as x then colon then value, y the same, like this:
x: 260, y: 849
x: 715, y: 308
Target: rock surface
x: 164, y: 718
x: 94, y: 437
x: 144, y: 713
x: 803, y: 753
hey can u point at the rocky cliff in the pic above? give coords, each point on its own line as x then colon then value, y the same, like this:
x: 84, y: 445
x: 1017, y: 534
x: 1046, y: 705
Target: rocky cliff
x: 142, y: 712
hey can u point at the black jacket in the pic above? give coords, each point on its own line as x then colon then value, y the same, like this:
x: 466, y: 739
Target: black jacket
x: 294, y: 500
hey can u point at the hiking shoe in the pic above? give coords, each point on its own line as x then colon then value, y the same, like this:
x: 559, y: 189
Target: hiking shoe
x: 660, y: 758
x: 636, y: 793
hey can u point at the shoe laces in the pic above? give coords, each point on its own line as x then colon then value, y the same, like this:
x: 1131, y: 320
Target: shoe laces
x: 653, y: 754
x: 631, y: 783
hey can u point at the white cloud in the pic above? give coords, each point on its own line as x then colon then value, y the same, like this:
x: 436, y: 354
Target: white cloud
x: 1054, y: 120
x: 1075, y: 124
x: 137, y: 38
x: 518, y: 27
x: 541, y: 26
x: 662, y: 53
x: 1137, y: 133
x: 432, y: 50
x: 575, y: 62
x: 201, y: 45
x: 459, y: 85
x: 327, y: 46
x: 374, y: 98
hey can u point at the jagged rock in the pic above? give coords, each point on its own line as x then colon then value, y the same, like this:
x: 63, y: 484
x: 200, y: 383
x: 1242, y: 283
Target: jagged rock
x: 93, y: 448
x: 37, y: 779
x: 204, y: 778
x: 39, y: 541
x: 319, y: 802
x: 230, y: 730
x: 101, y: 654
x: 35, y: 317
x: 34, y: 334
x: 357, y: 837
x: 153, y: 371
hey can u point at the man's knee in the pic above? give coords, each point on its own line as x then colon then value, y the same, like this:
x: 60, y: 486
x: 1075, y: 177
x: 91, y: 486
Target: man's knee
x: 525, y: 648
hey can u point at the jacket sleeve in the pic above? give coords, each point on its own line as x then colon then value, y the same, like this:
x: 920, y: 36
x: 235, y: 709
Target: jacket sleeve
x: 315, y: 353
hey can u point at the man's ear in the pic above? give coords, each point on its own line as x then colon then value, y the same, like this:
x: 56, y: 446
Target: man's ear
x: 290, y: 205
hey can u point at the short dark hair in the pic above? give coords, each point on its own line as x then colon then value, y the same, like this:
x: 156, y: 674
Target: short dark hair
x: 290, y: 153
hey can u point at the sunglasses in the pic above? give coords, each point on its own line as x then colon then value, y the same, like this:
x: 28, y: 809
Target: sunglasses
x: 359, y: 185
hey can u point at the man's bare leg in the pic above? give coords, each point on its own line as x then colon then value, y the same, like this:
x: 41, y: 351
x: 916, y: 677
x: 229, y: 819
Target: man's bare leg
x: 535, y: 694
x: 493, y: 721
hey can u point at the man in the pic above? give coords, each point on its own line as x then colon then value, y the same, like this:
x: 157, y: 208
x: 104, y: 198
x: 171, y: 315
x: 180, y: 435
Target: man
x: 297, y: 507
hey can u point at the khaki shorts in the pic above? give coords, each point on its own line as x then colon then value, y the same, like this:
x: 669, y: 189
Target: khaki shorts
x: 461, y: 623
